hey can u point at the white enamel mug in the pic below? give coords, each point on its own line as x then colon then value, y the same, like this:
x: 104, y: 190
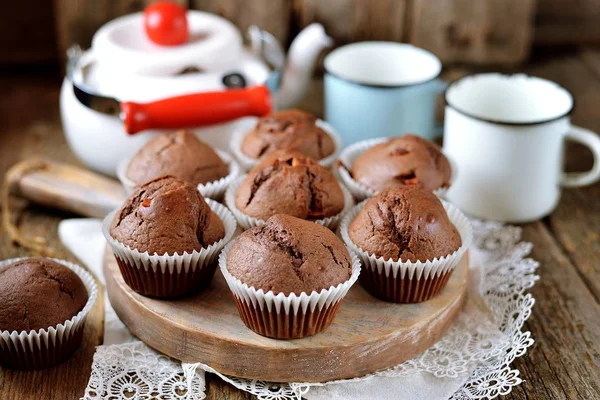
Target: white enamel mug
x: 507, y: 135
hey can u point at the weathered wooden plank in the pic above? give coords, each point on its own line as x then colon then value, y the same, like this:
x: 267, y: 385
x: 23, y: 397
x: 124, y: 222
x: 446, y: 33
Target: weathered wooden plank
x: 480, y: 32
x: 564, y: 362
x: 565, y: 359
x: 217, y: 389
x: 354, y: 20
x: 30, y: 119
x: 576, y: 220
x: 567, y: 22
x: 564, y: 322
x: 30, y: 127
x: 27, y: 33
x: 271, y: 15
x: 591, y: 58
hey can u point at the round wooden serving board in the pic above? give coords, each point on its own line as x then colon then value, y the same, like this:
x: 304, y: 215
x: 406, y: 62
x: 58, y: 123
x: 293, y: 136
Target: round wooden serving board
x: 366, y: 335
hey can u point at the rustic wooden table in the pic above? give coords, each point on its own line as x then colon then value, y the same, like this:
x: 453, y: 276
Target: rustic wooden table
x: 564, y: 363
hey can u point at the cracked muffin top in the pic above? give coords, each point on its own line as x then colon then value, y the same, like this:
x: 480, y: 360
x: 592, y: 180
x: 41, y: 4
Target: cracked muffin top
x: 290, y: 183
x: 407, y: 160
x: 406, y: 224
x: 180, y: 154
x: 289, y: 255
x: 166, y: 215
x: 37, y: 293
x: 288, y: 130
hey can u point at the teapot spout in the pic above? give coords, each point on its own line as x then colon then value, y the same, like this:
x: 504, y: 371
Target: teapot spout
x: 300, y: 65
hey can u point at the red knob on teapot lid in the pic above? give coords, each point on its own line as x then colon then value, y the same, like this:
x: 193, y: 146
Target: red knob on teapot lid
x: 166, y: 23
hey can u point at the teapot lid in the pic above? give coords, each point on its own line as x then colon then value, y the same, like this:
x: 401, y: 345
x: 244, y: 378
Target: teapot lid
x: 214, y: 44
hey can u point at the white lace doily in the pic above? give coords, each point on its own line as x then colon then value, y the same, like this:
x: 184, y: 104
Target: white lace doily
x: 479, y: 347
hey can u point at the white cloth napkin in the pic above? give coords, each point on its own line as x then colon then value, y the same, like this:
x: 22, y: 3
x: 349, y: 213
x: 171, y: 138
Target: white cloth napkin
x: 83, y: 237
x: 411, y: 387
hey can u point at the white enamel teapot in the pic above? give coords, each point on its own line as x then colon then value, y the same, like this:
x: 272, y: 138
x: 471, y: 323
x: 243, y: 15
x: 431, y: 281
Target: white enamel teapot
x: 125, y: 83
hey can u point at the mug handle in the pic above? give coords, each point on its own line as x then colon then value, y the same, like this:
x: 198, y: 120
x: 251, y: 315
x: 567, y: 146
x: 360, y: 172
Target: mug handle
x: 592, y: 141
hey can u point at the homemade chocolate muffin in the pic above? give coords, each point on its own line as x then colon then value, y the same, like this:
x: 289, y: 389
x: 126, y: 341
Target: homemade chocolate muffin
x: 166, y: 238
x: 288, y: 130
x: 166, y: 215
x: 289, y: 255
x: 180, y: 154
x: 407, y: 160
x: 406, y: 223
x: 38, y: 293
x: 290, y: 183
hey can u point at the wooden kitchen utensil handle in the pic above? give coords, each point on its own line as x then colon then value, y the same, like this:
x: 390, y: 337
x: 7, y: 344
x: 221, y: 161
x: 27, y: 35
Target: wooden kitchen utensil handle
x: 67, y: 187
x: 194, y: 110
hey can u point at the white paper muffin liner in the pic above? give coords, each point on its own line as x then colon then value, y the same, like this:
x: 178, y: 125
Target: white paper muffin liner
x: 247, y: 222
x: 360, y: 191
x: 46, y: 347
x: 247, y: 163
x: 396, y: 271
x: 213, y: 190
x: 291, y: 316
x: 170, y: 275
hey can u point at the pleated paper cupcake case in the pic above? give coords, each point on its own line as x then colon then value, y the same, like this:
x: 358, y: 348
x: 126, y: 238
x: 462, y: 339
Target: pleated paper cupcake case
x: 46, y: 347
x: 287, y: 317
x: 170, y: 275
x: 408, y: 282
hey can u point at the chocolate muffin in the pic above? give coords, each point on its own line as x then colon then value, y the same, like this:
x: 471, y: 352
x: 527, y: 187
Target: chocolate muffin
x: 290, y: 183
x: 166, y: 216
x: 180, y: 154
x: 406, y: 223
x: 39, y: 293
x: 289, y: 255
x: 288, y: 130
x: 407, y: 160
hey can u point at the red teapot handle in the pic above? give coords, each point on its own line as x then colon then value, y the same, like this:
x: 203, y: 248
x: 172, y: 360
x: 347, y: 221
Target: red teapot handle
x: 195, y: 110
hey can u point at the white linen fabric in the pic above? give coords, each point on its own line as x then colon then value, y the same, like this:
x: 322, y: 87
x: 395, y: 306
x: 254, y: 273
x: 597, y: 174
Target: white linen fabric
x: 472, y: 361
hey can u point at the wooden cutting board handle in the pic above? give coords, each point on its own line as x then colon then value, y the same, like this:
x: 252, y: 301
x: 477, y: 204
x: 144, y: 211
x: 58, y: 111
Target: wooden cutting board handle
x: 65, y: 187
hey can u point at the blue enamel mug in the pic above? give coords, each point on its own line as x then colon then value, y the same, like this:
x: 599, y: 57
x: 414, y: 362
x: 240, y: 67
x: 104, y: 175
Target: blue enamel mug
x: 375, y: 89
